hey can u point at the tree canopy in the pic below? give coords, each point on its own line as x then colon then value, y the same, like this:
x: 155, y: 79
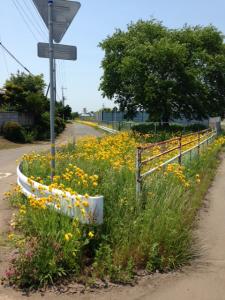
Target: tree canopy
x: 25, y: 93
x: 170, y: 73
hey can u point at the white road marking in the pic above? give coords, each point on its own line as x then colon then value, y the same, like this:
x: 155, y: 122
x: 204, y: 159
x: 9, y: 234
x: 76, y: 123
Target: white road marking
x: 4, y: 175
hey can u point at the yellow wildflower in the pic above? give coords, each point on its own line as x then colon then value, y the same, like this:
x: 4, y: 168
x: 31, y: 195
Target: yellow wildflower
x: 91, y: 234
x: 68, y: 236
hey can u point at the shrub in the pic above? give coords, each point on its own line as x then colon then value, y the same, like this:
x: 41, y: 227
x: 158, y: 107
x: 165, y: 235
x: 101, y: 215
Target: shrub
x: 196, y: 127
x: 43, y: 127
x: 30, y: 135
x: 59, y: 125
x: 158, y: 133
x: 14, y: 132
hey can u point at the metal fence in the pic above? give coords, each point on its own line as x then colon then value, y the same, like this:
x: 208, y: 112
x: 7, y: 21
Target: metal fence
x: 151, y: 157
x: 155, y: 127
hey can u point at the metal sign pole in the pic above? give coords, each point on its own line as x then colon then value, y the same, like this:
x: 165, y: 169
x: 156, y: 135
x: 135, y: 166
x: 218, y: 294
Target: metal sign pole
x: 63, y: 12
x: 54, y: 72
x: 52, y: 98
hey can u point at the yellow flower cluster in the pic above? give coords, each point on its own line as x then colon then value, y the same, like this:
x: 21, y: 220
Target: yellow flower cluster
x: 178, y: 171
x: 118, y: 150
x: 170, y: 148
x: 22, y: 210
x: 40, y: 203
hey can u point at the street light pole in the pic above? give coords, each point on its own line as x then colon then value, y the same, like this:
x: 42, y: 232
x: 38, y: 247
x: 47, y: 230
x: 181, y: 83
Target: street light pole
x: 52, y: 94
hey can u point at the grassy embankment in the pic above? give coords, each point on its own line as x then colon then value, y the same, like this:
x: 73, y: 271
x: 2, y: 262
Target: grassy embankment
x: 154, y: 233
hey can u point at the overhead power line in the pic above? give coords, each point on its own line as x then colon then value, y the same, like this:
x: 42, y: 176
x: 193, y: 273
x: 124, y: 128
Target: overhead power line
x: 24, y: 19
x: 33, y: 19
x: 4, y: 59
x: 13, y: 56
x: 41, y: 20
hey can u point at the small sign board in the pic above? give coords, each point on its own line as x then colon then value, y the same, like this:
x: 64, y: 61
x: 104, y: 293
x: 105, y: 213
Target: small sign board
x: 64, y: 12
x: 60, y: 51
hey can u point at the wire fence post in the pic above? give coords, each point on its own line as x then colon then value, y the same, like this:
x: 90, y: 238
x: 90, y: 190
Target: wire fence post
x: 138, y: 173
x: 180, y: 150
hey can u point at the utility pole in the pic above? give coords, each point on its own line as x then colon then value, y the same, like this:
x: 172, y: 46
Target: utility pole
x: 52, y: 94
x: 63, y: 97
x: 63, y: 101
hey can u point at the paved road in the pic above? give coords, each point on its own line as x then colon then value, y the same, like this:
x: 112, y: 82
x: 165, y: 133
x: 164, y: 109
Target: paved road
x: 204, y: 280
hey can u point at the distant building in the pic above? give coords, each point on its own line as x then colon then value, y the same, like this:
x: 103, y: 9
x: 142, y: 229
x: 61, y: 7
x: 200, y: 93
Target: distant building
x: 85, y: 115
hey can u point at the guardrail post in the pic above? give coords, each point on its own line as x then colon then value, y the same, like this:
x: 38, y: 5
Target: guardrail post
x: 198, y: 143
x: 180, y: 150
x: 207, y: 141
x: 138, y: 173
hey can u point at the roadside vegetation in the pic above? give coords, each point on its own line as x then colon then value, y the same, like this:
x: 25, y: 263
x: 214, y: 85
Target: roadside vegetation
x: 25, y: 94
x: 152, y: 233
x: 169, y: 73
x: 158, y: 133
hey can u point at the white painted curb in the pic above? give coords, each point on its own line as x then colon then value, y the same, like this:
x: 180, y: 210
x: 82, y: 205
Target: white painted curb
x: 93, y: 213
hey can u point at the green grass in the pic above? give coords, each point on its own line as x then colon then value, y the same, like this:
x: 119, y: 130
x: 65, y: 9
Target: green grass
x: 153, y: 233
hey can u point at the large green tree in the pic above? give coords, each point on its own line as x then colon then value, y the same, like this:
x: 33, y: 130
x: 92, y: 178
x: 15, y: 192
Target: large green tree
x: 170, y: 73
x: 25, y: 93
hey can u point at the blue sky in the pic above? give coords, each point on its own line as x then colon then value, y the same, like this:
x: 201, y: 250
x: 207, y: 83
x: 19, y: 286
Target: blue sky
x: 94, y: 21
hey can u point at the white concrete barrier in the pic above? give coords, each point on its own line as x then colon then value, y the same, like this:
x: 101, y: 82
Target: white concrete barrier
x: 65, y: 202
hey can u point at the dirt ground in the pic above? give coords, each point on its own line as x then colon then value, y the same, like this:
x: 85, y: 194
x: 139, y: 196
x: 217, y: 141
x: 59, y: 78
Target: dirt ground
x: 203, y: 280
x: 5, y: 144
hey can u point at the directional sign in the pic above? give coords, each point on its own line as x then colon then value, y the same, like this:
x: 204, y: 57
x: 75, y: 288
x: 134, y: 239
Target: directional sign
x: 60, y: 51
x: 63, y: 13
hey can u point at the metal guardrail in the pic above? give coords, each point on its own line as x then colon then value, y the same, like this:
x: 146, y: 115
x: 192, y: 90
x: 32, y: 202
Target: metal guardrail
x: 200, y: 138
x: 92, y: 214
x: 110, y: 130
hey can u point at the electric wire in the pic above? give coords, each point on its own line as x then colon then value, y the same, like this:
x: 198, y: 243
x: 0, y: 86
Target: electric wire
x: 35, y: 8
x: 13, y: 56
x: 24, y: 19
x: 4, y: 58
x: 29, y: 20
x: 33, y: 20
